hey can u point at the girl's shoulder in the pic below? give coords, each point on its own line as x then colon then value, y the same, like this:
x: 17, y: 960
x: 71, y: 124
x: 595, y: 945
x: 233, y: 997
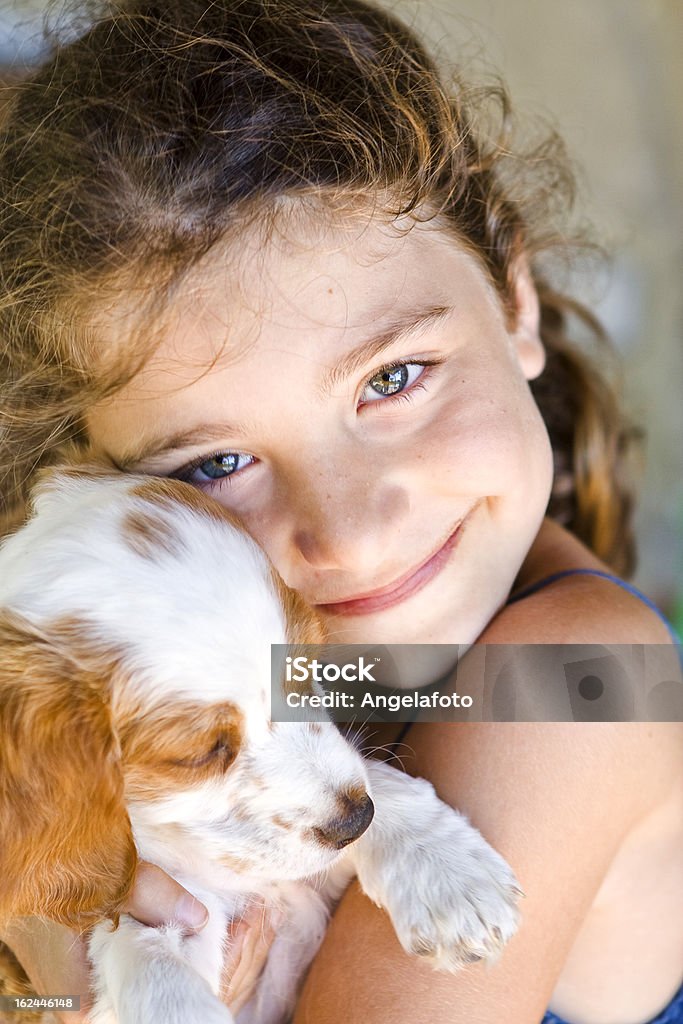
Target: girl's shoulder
x: 552, y: 602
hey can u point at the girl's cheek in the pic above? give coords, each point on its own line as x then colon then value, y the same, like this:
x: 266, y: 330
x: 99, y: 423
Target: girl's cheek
x: 487, y: 446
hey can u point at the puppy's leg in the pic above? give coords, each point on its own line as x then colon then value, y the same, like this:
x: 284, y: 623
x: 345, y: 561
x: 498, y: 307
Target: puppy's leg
x: 146, y: 975
x: 452, y: 899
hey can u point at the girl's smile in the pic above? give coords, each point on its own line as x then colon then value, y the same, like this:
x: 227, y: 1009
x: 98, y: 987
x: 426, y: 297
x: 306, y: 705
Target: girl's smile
x: 375, y: 401
x: 399, y: 590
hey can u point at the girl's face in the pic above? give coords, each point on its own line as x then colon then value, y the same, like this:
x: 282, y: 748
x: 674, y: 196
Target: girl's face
x: 365, y: 412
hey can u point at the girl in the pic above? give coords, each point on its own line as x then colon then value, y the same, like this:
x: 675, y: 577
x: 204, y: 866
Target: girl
x: 261, y: 247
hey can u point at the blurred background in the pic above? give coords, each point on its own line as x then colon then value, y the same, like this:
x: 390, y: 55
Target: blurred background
x: 609, y: 75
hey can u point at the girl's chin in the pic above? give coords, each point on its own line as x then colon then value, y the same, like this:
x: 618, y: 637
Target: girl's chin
x: 409, y: 624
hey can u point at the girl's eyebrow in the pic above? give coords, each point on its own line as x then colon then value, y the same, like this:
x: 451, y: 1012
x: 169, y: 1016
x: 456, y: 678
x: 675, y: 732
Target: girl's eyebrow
x: 413, y: 321
x: 133, y: 457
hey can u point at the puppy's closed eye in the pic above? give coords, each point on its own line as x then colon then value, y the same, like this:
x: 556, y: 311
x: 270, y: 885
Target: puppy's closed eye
x: 222, y: 754
x: 182, y: 744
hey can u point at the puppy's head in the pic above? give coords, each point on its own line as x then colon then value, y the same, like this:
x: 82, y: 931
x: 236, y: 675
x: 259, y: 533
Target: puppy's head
x: 155, y: 612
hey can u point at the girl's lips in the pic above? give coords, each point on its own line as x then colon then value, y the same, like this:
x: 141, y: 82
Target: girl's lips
x: 397, y: 592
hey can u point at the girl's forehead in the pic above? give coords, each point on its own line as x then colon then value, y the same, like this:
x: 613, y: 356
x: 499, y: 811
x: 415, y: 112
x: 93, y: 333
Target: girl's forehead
x: 273, y: 266
x: 338, y: 276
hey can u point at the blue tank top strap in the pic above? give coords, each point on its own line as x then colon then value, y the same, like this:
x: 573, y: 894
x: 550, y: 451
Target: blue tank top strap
x: 671, y: 1014
x: 539, y: 584
x: 401, y: 736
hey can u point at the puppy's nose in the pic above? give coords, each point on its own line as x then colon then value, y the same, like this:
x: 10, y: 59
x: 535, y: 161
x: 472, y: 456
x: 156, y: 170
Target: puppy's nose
x: 350, y: 825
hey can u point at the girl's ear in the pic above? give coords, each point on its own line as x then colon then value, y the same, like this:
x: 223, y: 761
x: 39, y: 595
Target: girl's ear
x: 526, y: 334
x: 66, y: 845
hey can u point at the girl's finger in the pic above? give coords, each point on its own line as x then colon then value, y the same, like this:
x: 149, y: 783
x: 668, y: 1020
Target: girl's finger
x: 158, y: 899
x: 250, y: 940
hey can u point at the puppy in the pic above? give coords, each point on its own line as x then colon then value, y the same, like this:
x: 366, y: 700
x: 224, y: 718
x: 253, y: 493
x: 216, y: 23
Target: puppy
x: 136, y: 617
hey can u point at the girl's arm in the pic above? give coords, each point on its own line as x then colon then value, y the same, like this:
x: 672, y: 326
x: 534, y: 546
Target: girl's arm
x: 555, y: 800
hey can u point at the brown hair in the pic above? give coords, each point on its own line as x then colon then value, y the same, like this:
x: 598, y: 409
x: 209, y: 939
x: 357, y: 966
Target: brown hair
x: 166, y: 125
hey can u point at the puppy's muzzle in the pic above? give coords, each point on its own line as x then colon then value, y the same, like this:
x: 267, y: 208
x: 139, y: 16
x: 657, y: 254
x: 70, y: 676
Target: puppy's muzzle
x: 350, y: 825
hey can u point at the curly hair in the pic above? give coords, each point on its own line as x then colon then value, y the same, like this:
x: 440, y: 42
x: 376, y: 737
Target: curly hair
x: 163, y: 127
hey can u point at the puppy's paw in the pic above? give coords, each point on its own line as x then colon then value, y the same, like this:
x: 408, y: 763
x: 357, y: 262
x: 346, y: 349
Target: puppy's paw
x: 141, y: 975
x: 451, y: 898
x: 174, y: 994
x: 460, y: 903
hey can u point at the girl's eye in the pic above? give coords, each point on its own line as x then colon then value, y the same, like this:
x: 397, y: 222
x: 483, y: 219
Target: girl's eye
x: 216, y: 469
x: 393, y: 379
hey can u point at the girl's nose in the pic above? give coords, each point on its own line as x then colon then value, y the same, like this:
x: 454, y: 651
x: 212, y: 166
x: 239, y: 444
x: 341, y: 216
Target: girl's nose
x: 350, y: 526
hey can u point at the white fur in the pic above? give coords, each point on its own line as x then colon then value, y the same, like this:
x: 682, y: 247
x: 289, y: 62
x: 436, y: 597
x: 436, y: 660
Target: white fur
x: 196, y: 623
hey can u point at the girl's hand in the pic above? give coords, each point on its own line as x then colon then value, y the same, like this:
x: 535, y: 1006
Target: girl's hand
x: 55, y: 957
x: 251, y: 939
x: 157, y: 898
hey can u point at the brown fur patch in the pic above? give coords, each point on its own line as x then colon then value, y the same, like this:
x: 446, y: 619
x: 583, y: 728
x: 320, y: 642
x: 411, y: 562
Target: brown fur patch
x: 164, y: 492
x: 281, y: 822
x: 240, y: 812
x: 176, y: 745
x: 304, y: 626
x: 238, y: 864
x: 305, y: 632
x: 67, y: 850
x: 160, y: 491
x: 76, y: 463
x: 145, y: 535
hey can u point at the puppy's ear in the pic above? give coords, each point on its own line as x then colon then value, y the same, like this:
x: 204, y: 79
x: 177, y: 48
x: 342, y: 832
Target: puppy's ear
x: 66, y: 845
x: 304, y: 625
